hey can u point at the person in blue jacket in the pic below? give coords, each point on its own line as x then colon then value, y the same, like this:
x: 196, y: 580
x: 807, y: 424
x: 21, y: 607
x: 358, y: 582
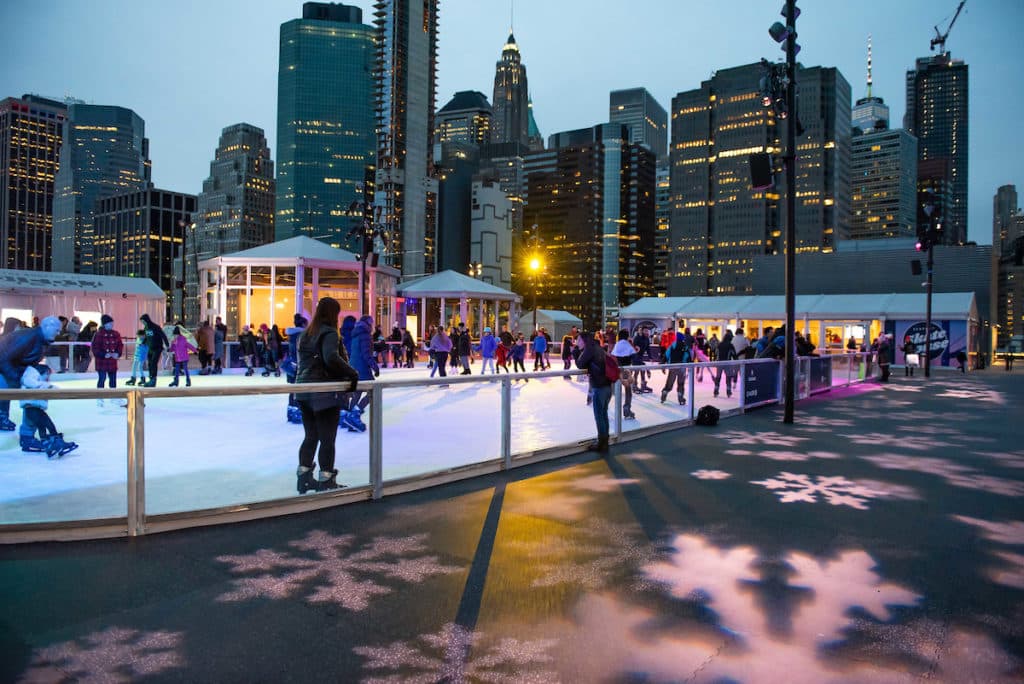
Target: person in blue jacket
x: 540, y: 347
x: 362, y: 359
x: 20, y: 349
x: 488, y: 346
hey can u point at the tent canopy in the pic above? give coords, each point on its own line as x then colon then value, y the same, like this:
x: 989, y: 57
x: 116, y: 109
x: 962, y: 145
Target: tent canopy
x: 557, y: 323
x: 454, y: 285
x: 293, y: 248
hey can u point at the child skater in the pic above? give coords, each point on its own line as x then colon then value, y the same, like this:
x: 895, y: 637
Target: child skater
x: 180, y: 347
x: 35, y: 418
x: 139, y: 359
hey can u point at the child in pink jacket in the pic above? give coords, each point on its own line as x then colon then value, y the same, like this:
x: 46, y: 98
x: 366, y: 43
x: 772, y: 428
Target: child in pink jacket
x: 180, y: 348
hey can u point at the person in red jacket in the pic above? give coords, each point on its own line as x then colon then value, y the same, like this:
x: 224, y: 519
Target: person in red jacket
x: 668, y: 338
x: 107, y: 348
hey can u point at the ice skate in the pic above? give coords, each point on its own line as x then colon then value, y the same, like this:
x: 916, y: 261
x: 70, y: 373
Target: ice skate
x: 248, y: 372
x: 295, y: 415
x: 173, y: 384
x: 265, y: 373
x: 353, y: 421
x: 130, y: 382
x: 31, y: 444
x: 305, y: 481
x: 664, y: 396
x: 56, y: 446
x: 6, y: 424
x: 327, y: 480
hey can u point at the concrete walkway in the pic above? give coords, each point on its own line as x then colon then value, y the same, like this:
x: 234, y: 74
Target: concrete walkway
x: 878, y: 539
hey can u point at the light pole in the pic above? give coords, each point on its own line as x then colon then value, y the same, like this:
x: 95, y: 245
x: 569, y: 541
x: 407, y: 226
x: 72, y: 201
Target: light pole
x: 185, y: 224
x: 535, y: 268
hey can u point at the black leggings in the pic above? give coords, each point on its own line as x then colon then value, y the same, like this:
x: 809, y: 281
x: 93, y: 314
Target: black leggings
x: 154, y: 364
x: 321, y: 427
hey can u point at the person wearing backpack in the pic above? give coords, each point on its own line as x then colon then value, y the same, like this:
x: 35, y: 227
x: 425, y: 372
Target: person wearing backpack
x: 595, y: 361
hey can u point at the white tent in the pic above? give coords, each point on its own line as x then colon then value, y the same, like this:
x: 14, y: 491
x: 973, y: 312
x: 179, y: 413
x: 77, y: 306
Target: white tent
x: 557, y: 323
x: 28, y: 294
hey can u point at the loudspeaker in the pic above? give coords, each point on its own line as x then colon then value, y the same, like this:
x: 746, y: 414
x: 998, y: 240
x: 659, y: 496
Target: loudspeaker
x: 374, y: 256
x: 915, y: 266
x: 761, y: 177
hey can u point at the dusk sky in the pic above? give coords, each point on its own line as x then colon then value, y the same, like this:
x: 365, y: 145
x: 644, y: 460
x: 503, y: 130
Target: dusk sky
x: 191, y: 67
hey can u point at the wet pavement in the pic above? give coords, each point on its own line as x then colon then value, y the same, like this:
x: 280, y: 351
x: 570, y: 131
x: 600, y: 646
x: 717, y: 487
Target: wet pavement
x: 880, y: 538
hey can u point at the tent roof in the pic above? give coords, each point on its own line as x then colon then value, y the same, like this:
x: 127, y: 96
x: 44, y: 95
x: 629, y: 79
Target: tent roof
x: 292, y: 248
x: 452, y: 284
x: 14, y: 279
x: 945, y: 305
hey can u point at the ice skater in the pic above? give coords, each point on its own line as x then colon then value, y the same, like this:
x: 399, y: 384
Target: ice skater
x: 180, y: 349
x: 107, y: 349
x: 139, y: 359
x: 488, y: 347
x: 247, y: 350
x: 519, y: 355
x: 440, y: 347
x: 35, y: 418
x: 18, y: 350
x: 156, y: 340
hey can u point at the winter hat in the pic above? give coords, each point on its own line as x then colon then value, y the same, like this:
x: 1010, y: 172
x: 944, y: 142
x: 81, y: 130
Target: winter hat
x: 300, y: 321
x: 487, y: 329
x: 106, y: 318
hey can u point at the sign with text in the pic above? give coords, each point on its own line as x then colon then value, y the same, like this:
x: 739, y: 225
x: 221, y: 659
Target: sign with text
x: 761, y: 382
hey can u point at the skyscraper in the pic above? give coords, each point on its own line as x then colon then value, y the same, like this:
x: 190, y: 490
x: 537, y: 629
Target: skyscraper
x: 235, y: 210
x: 104, y: 152
x: 406, y: 194
x: 884, y: 172
x: 466, y: 119
x: 663, y: 216
x: 535, y: 141
x: 325, y: 122
x: 511, y: 97
x: 647, y: 120
x: 1007, y: 264
x: 719, y: 223
x: 31, y: 130
x: 594, y: 212
x: 937, y: 116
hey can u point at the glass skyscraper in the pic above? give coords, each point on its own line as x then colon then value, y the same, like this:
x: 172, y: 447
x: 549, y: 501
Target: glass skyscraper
x: 31, y: 130
x: 511, y: 97
x: 325, y: 122
x: 104, y: 152
x: 647, y: 120
x: 937, y: 116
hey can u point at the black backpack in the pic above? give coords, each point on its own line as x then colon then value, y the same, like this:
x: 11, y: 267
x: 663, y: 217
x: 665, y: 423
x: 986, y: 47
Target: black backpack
x: 707, y: 415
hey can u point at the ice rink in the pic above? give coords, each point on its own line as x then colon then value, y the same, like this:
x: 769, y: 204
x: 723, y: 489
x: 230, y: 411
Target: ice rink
x: 206, y: 452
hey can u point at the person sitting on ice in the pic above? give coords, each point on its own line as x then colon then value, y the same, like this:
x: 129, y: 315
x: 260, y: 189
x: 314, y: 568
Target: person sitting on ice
x: 35, y: 418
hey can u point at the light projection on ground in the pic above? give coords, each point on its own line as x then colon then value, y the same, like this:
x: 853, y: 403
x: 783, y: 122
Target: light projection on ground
x: 114, y: 655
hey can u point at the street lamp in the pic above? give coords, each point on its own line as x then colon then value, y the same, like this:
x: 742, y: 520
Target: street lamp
x: 476, y: 269
x: 185, y: 224
x: 535, y: 268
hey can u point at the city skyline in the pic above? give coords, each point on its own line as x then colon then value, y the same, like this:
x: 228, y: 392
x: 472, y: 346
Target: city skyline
x: 167, y: 78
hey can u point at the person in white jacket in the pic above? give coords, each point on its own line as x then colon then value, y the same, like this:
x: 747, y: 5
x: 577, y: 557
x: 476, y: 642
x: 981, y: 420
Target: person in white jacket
x: 35, y: 417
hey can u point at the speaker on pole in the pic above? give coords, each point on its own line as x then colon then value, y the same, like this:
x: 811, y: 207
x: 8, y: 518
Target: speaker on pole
x: 761, y: 177
x: 915, y: 266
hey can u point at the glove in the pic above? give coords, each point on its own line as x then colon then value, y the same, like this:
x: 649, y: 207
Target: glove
x: 376, y: 371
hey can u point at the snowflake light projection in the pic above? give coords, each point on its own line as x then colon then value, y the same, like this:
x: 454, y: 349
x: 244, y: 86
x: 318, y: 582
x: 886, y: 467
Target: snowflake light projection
x: 767, y: 438
x: 784, y: 455
x: 823, y: 422
x: 442, y: 657
x: 975, y: 393
x: 711, y: 474
x: 836, y: 490
x: 113, y: 655
x: 1010, y: 572
x: 1009, y: 459
x: 955, y: 474
x: 915, y: 442
x: 336, y: 573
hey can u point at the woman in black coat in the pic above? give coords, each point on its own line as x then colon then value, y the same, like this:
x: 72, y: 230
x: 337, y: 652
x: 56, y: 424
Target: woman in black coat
x: 320, y: 361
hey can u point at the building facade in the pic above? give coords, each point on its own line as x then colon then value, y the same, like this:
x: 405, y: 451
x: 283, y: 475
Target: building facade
x: 406, y: 192
x: 325, y: 122
x: 235, y: 210
x: 594, y: 210
x: 466, y: 119
x: 645, y: 117
x: 456, y: 166
x: 511, y: 98
x: 719, y: 224
x: 141, y: 234
x: 663, y: 215
x: 884, y: 190
x: 937, y: 116
x: 31, y: 131
x: 104, y: 152
x: 1007, y: 265
x: 490, y: 243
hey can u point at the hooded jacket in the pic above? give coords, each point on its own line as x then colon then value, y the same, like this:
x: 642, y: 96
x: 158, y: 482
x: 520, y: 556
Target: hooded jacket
x: 156, y: 340
x: 362, y: 348
x: 25, y: 347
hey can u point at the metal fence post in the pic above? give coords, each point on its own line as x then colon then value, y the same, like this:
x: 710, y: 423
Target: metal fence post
x: 506, y: 422
x: 618, y: 409
x: 741, y: 386
x: 691, y: 375
x: 136, y: 478
x: 377, y: 440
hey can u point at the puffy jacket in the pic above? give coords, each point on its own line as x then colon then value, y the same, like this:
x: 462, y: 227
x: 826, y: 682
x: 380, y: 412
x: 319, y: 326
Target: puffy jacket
x: 679, y: 352
x: 31, y: 379
x: 347, y: 326
x: 441, y: 342
x: 540, y: 344
x: 325, y: 344
x: 205, y: 338
x: 592, y: 361
x: 488, y: 345
x: 463, y: 344
x: 181, y: 347
x: 106, y: 342
x: 362, y: 348
x: 19, y: 349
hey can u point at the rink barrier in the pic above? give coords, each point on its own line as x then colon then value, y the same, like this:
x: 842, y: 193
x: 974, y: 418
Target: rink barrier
x: 138, y: 523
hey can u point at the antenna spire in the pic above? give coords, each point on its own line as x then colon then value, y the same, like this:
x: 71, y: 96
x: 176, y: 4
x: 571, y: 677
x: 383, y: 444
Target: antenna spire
x: 512, y: 16
x: 869, y: 65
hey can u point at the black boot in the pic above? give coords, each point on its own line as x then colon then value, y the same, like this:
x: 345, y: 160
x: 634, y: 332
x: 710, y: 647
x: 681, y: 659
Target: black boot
x: 600, y: 446
x: 131, y: 381
x: 305, y: 482
x: 327, y: 480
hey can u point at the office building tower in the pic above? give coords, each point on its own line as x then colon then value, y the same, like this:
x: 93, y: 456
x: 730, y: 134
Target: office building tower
x: 31, y: 131
x: 325, y: 122
x: 456, y: 165
x: 141, y: 234
x: 937, y: 116
x: 663, y: 215
x: 646, y: 119
x: 235, y: 210
x: 594, y: 211
x: 1007, y: 265
x: 490, y: 245
x: 718, y: 222
x: 105, y: 152
x: 406, y: 193
x: 511, y: 97
x: 534, y: 140
x: 503, y: 163
x: 883, y: 195
x: 466, y: 119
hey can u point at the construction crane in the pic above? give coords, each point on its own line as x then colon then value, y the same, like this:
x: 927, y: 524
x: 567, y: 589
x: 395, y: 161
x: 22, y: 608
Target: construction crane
x: 940, y: 38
